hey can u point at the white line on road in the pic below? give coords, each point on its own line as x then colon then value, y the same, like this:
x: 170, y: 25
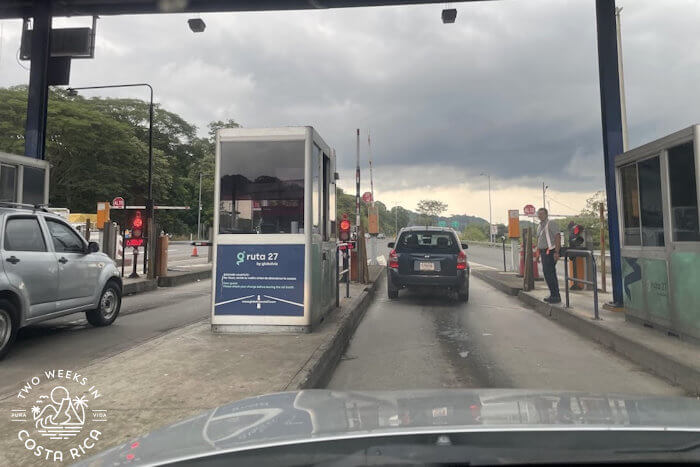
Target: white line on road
x: 481, y: 265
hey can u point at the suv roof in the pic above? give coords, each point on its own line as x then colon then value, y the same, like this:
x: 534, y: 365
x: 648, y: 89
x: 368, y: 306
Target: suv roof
x: 414, y: 228
x: 6, y: 208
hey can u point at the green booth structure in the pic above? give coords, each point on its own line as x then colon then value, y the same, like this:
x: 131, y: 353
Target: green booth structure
x: 657, y: 188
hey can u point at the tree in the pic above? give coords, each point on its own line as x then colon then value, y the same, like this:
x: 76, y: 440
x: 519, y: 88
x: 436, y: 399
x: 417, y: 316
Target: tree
x: 593, y: 203
x: 429, y: 209
x: 98, y: 149
x: 475, y: 232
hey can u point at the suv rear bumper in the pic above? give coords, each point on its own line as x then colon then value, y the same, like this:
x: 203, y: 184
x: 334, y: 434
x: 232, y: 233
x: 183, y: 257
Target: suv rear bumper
x: 398, y: 281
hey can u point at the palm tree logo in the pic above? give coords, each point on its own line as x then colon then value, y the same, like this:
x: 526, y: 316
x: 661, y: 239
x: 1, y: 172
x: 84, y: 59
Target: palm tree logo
x: 61, y: 418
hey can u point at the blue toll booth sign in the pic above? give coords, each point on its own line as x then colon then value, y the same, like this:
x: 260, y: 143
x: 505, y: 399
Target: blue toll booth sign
x: 264, y: 280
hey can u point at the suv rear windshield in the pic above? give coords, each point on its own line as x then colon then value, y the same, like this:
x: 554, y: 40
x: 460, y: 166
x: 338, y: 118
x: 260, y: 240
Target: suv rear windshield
x: 427, y: 240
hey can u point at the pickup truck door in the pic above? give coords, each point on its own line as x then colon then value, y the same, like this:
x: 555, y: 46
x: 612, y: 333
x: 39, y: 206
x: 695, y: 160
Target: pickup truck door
x: 28, y: 263
x: 78, y: 272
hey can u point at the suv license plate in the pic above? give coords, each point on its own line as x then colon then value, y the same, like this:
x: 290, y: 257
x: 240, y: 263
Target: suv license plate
x: 426, y: 266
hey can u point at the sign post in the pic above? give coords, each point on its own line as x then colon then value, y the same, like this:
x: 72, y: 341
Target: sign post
x: 529, y: 210
x: 514, y: 235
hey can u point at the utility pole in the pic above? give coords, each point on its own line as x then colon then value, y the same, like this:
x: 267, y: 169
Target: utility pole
x: 357, y: 186
x: 544, y: 201
x: 371, y: 178
x: 396, y: 227
x: 199, y: 209
x: 623, y: 100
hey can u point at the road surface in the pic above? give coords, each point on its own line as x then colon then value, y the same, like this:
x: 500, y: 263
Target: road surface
x: 71, y: 343
x: 179, y: 258
x: 428, y: 340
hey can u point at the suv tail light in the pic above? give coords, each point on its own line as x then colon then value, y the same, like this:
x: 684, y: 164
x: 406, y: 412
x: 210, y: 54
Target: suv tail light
x: 393, y: 260
x: 462, y: 260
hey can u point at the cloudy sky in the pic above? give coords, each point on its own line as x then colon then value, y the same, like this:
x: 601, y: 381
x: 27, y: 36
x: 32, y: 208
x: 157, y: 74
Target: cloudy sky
x: 510, y: 89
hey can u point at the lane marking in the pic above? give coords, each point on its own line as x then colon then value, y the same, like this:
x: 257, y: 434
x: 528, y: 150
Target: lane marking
x: 481, y: 265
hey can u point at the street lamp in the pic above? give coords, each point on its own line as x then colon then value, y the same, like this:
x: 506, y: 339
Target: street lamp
x: 486, y: 174
x: 149, y: 202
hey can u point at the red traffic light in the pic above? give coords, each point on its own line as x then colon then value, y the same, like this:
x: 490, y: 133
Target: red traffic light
x: 138, y: 221
x: 344, y: 229
x: 137, y: 225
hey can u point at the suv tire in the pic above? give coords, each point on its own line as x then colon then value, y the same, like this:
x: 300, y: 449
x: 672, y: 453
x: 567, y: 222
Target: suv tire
x: 8, y: 326
x: 108, y: 306
x: 463, y: 296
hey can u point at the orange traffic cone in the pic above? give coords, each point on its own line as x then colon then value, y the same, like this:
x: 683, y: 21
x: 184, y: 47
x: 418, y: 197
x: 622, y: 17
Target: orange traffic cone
x: 195, y: 253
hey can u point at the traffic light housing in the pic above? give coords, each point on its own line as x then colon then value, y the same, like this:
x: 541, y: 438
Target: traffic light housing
x: 344, y: 229
x: 136, y: 225
x: 576, y: 238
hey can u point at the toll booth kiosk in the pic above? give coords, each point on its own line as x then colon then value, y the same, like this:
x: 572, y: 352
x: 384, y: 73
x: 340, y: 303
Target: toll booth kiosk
x: 657, y: 187
x: 274, y: 230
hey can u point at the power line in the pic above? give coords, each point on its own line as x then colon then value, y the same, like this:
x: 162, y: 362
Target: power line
x: 559, y: 202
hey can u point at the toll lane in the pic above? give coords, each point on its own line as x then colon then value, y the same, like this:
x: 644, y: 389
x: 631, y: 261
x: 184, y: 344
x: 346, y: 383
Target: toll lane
x: 428, y: 340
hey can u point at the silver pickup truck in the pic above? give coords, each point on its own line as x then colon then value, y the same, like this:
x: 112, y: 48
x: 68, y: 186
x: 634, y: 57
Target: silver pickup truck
x: 49, y: 270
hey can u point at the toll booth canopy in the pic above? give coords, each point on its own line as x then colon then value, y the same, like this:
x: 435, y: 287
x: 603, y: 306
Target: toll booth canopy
x: 23, y: 179
x: 660, y: 233
x: 274, y: 242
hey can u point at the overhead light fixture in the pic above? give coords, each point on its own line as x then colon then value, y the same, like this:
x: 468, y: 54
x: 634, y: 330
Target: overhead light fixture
x: 196, y: 24
x: 449, y: 15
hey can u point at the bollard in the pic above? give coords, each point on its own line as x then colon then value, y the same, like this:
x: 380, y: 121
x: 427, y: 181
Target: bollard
x: 162, y: 256
x: 134, y: 274
x: 503, y: 240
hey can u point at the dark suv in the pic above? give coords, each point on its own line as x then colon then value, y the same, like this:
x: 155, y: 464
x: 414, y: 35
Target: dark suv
x: 428, y: 256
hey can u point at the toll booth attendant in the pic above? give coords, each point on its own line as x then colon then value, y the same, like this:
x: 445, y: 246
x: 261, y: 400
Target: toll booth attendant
x: 548, y: 242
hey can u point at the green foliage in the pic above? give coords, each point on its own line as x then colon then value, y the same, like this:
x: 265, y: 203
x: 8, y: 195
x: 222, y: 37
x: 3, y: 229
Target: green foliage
x: 476, y: 232
x: 590, y: 220
x: 429, y: 210
x: 98, y: 149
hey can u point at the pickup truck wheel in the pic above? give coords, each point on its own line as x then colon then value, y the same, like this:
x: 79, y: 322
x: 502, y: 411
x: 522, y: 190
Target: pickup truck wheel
x: 107, y: 307
x: 8, y: 326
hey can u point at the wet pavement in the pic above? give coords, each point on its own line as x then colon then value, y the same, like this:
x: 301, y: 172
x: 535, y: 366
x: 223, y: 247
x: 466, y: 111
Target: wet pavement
x: 429, y: 340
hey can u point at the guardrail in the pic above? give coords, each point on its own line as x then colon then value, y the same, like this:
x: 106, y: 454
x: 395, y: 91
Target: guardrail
x: 570, y: 253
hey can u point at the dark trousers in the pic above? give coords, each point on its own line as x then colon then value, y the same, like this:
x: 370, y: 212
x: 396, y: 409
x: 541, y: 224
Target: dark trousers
x: 549, y: 269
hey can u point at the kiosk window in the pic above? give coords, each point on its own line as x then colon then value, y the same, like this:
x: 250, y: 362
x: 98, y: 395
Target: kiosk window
x: 331, y: 203
x: 684, y: 195
x: 326, y: 196
x: 630, y: 202
x: 8, y: 179
x: 650, y: 202
x: 316, y: 207
x: 261, y: 187
x: 33, y: 185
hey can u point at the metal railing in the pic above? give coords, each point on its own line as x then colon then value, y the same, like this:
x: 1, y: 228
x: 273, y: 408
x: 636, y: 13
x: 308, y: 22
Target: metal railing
x: 345, y: 248
x: 571, y: 253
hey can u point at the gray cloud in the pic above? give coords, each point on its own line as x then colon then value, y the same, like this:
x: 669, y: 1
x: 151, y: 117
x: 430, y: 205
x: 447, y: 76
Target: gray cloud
x: 510, y: 89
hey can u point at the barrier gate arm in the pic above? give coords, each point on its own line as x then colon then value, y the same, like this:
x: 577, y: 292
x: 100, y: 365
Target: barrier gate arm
x: 570, y: 253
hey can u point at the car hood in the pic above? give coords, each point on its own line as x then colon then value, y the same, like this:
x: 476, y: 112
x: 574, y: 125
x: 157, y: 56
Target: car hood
x: 322, y: 414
